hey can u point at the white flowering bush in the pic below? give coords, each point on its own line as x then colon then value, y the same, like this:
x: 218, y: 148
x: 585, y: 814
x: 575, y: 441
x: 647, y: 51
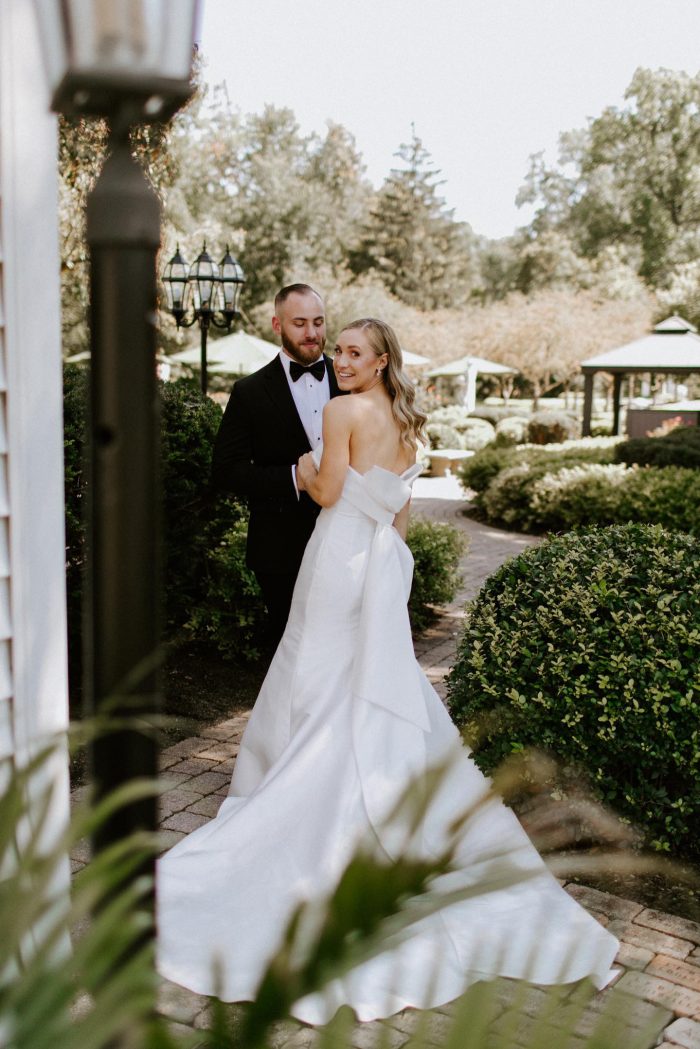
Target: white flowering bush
x: 582, y: 494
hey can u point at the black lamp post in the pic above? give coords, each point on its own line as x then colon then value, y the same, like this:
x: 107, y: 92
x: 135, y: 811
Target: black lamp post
x: 211, y: 291
x: 130, y: 61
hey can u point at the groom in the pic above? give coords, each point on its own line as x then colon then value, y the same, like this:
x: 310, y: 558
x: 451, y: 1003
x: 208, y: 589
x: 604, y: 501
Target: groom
x: 272, y: 418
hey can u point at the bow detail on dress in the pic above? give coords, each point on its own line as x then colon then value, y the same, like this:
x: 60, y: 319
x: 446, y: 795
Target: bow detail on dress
x: 384, y: 636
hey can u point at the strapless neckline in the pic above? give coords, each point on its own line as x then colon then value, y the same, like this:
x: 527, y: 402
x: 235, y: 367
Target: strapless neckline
x: 382, y: 469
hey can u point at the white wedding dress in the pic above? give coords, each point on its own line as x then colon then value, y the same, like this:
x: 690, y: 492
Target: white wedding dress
x: 344, y: 720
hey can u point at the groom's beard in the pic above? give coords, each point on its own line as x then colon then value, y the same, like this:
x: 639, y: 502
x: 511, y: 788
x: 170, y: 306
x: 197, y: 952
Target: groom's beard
x: 304, y: 352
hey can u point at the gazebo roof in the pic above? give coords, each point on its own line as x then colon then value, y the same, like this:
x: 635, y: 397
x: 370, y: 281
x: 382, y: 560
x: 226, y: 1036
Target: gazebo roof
x: 673, y: 346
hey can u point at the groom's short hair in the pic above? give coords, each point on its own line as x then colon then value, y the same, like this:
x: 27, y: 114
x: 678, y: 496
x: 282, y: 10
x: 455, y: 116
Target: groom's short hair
x: 294, y: 289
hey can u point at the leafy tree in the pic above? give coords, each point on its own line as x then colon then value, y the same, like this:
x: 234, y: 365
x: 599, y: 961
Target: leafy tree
x: 630, y: 178
x: 546, y: 335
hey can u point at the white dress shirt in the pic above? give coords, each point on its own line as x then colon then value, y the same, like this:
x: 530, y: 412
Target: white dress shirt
x: 310, y: 398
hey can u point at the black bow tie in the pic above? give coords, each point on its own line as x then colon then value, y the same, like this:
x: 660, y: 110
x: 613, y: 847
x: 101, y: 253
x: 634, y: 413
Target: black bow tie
x: 318, y: 370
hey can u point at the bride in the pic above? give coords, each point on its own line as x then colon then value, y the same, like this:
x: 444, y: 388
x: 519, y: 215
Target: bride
x: 344, y: 721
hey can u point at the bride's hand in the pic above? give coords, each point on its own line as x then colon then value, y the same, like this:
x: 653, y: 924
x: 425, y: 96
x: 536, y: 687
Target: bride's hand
x: 306, y: 471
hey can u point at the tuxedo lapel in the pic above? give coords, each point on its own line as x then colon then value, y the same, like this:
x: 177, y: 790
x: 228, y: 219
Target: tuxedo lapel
x: 288, y: 417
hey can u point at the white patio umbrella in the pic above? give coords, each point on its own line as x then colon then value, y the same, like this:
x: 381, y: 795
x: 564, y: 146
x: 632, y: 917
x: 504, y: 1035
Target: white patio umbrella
x: 236, y: 354
x: 412, y: 359
x: 469, y: 368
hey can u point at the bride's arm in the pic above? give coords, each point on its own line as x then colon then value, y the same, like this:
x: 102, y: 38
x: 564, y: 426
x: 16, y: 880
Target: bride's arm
x: 401, y: 520
x: 325, y: 487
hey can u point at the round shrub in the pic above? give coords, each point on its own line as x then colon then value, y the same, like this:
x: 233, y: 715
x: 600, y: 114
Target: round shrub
x: 508, y: 498
x: 588, y: 493
x: 669, y: 496
x: 479, y: 470
x: 454, y: 415
x: 476, y: 434
x: 511, y: 430
x: 588, y: 646
x: 679, y: 447
x: 551, y: 427
x: 436, y: 549
x: 495, y: 412
x: 441, y: 435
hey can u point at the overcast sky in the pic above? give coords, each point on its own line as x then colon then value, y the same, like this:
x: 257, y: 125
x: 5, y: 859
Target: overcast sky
x: 486, y: 82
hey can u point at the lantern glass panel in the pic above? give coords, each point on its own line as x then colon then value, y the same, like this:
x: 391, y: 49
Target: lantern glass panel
x: 120, y: 46
x: 204, y: 276
x: 134, y: 36
x: 175, y: 281
x: 231, y: 279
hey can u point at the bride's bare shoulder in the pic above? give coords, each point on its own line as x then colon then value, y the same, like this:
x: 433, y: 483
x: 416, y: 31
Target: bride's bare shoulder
x: 343, y: 408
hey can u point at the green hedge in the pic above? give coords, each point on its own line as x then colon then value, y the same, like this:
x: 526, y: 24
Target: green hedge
x: 680, y: 447
x: 588, y: 646
x: 436, y: 550
x: 196, y: 521
x: 453, y: 427
x: 511, y: 430
x: 614, y: 494
x: 481, y: 469
x: 195, y: 518
x: 548, y: 427
x: 442, y: 435
x: 578, y: 483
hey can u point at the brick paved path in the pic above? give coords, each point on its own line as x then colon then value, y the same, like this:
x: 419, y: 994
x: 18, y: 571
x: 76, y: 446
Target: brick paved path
x: 660, y: 953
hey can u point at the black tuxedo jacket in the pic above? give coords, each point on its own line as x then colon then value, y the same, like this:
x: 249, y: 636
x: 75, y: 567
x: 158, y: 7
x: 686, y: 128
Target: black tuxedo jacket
x: 260, y: 438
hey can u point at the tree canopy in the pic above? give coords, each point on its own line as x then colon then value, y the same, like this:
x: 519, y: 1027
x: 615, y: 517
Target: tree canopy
x: 614, y: 239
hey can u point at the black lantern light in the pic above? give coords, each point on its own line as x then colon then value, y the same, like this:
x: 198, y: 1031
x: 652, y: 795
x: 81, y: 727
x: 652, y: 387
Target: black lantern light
x: 129, y: 61
x: 204, y: 282
x: 98, y: 51
x: 175, y: 279
x: 211, y: 290
x: 232, y: 279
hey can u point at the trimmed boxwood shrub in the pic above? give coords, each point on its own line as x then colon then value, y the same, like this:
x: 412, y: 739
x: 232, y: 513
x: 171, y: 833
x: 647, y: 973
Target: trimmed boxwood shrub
x: 481, y: 469
x: 588, y: 646
x: 476, y: 434
x: 195, y: 517
x: 511, y: 430
x: 547, y: 427
x: 436, y: 549
x: 453, y: 427
x: 230, y: 611
x: 680, y: 447
x: 612, y: 494
x: 495, y: 412
x: 196, y: 521
x: 454, y: 415
x: 442, y: 435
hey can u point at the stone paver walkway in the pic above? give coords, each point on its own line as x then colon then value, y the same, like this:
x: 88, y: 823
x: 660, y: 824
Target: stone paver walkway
x: 659, y: 954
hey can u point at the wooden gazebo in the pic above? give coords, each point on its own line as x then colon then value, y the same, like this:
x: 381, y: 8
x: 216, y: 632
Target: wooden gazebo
x: 672, y: 348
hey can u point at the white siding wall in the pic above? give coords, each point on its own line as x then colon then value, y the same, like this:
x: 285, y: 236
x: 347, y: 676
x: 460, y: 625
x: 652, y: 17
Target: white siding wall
x: 33, y: 678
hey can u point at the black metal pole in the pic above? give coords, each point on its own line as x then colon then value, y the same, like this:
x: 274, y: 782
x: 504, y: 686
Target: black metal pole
x: 587, y: 404
x: 617, y: 390
x: 123, y: 622
x: 204, y: 331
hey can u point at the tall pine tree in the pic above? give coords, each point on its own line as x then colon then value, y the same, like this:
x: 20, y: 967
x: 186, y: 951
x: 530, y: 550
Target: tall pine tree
x: 411, y: 239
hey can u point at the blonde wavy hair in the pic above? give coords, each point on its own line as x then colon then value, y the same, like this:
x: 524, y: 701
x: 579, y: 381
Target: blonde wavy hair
x: 382, y: 339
